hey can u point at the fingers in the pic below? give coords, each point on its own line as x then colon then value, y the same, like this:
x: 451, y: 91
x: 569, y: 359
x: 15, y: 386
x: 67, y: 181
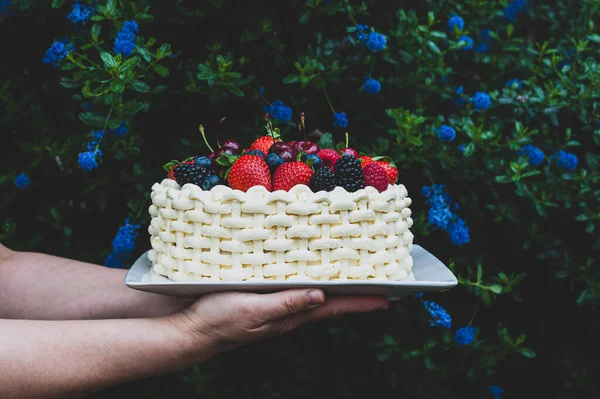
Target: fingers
x: 333, y: 307
x: 283, y: 304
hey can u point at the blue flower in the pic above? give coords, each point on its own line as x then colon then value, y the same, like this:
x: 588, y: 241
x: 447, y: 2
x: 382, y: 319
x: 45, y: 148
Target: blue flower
x: 81, y: 13
x: 418, y: 295
x: 456, y: 21
x: 464, y: 335
x: 459, y: 232
x: 446, y: 133
x: 565, y: 160
x: 361, y: 32
x: 439, y: 316
x: 261, y: 90
x: 87, y: 160
x: 279, y: 111
x: 468, y: 41
x: 517, y: 84
x: 120, y: 130
x: 22, y: 181
x: 513, y: 9
x: 88, y: 106
x: 461, y: 148
x: 535, y: 155
x: 4, y: 4
x: 481, y: 100
x: 372, y: 86
x: 460, y: 90
x: 376, y: 42
x: 340, y: 119
x: 97, y: 136
x: 496, y: 391
x: 439, y: 216
x: 57, y: 52
x: 123, y: 244
x: 124, y: 43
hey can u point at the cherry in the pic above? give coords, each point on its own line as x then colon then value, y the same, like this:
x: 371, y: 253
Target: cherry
x: 233, y: 145
x: 284, y: 150
x: 221, y: 151
x: 349, y: 151
x: 308, y: 147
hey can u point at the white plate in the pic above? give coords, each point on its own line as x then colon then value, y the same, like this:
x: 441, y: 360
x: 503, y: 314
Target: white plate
x: 428, y: 274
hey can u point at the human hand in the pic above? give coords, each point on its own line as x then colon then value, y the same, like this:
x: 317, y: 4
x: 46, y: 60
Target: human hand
x: 227, y: 320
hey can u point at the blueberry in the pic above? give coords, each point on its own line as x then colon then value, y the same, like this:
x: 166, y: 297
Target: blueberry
x: 203, y: 161
x: 256, y: 152
x: 317, y: 162
x: 273, y: 160
x: 210, y: 181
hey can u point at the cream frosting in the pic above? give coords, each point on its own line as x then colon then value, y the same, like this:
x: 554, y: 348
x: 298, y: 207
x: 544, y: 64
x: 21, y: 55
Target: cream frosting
x: 230, y: 235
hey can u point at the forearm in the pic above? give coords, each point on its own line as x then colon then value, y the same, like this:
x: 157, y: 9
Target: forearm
x: 50, y: 359
x: 40, y: 286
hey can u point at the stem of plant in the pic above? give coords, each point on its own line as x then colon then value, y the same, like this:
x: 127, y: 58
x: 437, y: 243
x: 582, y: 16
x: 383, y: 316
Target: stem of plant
x: 201, y: 128
x: 474, y: 314
x: 328, y: 101
x: 270, y: 127
x: 303, y: 125
x: 346, y: 139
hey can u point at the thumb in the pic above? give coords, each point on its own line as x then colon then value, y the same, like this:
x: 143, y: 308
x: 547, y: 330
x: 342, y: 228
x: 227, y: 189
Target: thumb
x: 281, y: 304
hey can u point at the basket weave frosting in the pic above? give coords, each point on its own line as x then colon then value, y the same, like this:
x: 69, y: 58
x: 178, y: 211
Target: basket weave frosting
x: 230, y: 235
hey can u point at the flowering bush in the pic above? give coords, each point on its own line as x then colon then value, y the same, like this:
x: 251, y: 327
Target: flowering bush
x: 488, y: 109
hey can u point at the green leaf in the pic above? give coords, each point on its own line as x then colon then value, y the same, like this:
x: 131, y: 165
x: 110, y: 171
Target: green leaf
x: 479, y: 272
x: 594, y: 38
x: 96, y: 28
x: 108, y: 59
x: 496, y: 288
x: 485, y: 297
x: 68, y: 83
x: 117, y: 85
x: 140, y: 86
x: 130, y: 63
x: 433, y: 47
x: 236, y: 91
x: 164, y: 50
x: 161, y: 70
x: 111, y: 7
x: 169, y: 165
x: 291, y: 79
x: 57, y: 3
x: 98, y: 17
x: 92, y: 119
x: 143, y: 51
x: 142, y: 16
x: 528, y: 353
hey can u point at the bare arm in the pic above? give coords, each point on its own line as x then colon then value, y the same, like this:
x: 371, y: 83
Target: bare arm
x: 40, y: 286
x: 51, y: 359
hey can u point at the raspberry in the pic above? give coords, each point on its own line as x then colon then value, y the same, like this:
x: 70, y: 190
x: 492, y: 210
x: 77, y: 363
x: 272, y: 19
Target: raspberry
x: 329, y: 157
x: 376, y: 176
x: 189, y: 173
x: 349, y: 174
x: 323, y: 179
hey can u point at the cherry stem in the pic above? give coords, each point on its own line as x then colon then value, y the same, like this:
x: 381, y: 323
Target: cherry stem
x: 302, y: 126
x: 346, y: 139
x: 201, y: 128
x: 219, y: 130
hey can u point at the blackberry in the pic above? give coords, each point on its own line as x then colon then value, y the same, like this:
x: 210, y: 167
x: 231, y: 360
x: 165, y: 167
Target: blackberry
x: 189, y: 173
x: 322, y: 179
x: 349, y: 174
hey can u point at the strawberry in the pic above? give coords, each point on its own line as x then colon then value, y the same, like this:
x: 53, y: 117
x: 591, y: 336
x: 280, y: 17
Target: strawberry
x: 390, y: 168
x: 248, y: 171
x: 263, y: 143
x: 365, y: 160
x: 291, y: 174
x: 375, y: 176
x: 329, y: 157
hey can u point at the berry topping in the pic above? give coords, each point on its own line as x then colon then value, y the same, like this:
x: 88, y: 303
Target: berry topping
x: 349, y: 174
x: 375, y: 176
x: 273, y: 160
x: 220, y: 153
x: 248, y: 171
x: 284, y: 150
x: 365, y: 160
x: 210, y: 181
x: 307, y: 147
x: 263, y: 143
x: 323, y: 179
x: 314, y: 160
x: 390, y: 169
x: 291, y: 174
x: 349, y: 151
x: 329, y: 157
x: 233, y: 145
x: 188, y: 172
x: 256, y: 152
x: 203, y: 161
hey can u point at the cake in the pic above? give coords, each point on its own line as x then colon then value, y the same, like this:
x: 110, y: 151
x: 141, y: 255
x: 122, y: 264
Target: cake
x: 241, y: 220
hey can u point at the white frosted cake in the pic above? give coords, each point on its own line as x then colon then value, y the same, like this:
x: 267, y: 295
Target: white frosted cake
x: 224, y: 234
